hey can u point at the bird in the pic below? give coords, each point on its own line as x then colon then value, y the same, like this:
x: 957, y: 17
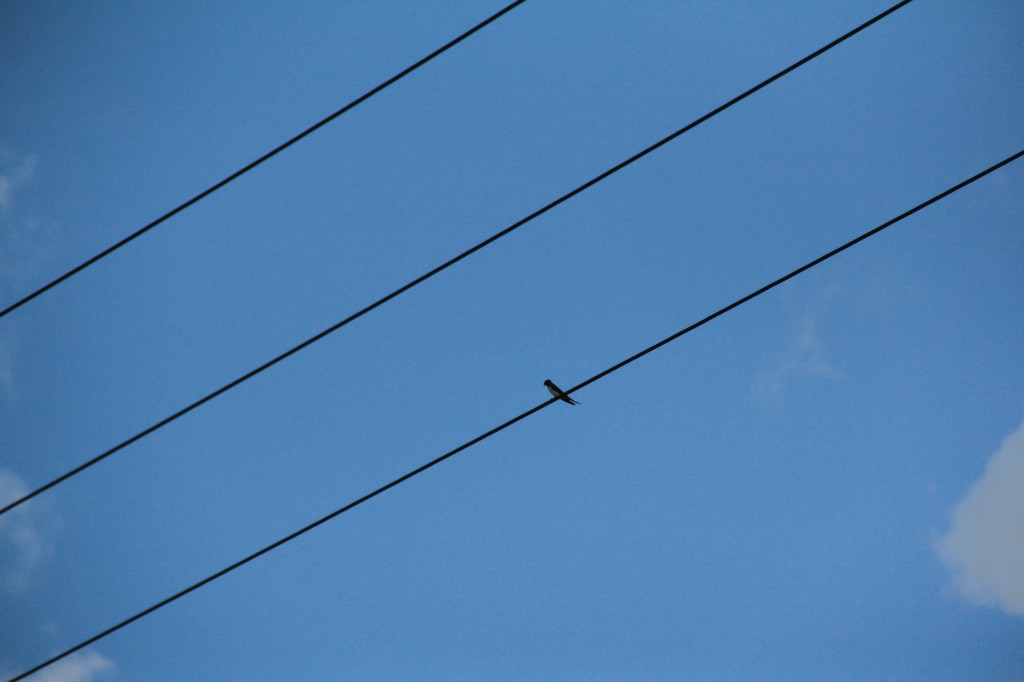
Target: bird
x: 558, y: 393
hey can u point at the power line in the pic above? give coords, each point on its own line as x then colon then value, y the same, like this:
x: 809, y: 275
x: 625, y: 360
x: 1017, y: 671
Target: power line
x: 524, y: 415
x: 446, y: 265
x: 205, y: 193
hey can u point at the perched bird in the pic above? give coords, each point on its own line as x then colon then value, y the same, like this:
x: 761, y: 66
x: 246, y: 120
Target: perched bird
x: 557, y: 392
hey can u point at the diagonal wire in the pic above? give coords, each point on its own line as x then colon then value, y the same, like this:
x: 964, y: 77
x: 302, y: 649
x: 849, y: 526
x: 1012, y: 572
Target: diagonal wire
x: 445, y: 265
x: 205, y: 193
x: 524, y: 415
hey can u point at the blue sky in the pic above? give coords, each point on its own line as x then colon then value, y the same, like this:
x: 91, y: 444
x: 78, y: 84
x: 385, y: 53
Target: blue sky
x: 825, y: 483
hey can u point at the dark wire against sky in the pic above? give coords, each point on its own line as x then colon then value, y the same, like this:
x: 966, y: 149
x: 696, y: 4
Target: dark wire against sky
x: 524, y: 415
x: 422, y: 278
x: 248, y: 167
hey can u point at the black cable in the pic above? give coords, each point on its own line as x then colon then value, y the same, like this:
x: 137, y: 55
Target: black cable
x: 522, y: 416
x: 445, y: 265
x: 260, y: 160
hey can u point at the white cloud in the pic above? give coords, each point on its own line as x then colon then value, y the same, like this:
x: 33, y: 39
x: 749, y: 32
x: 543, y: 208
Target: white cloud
x: 804, y: 356
x: 984, y: 548
x: 21, y: 252
x: 24, y: 536
x: 8, y: 349
x: 16, y: 171
x: 81, y: 667
x: 21, y: 248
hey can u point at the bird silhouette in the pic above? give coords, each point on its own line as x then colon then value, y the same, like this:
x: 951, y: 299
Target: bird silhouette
x: 559, y: 393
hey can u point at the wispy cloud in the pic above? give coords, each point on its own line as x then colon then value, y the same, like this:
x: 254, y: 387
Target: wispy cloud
x: 82, y: 667
x: 984, y: 548
x: 803, y: 356
x: 16, y: 171
x: 26, y: 541
x: 25, y: 536
x: 8, y: 349
x: 20, y: 249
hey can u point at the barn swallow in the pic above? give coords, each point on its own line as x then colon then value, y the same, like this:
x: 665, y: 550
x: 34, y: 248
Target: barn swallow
x: 557, y: 392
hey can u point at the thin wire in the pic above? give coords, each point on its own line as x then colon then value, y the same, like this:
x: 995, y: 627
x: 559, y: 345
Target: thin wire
x: 273, y: 152
x: 799, y: 270
x: 444, y: 266
x: 522, y: 416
